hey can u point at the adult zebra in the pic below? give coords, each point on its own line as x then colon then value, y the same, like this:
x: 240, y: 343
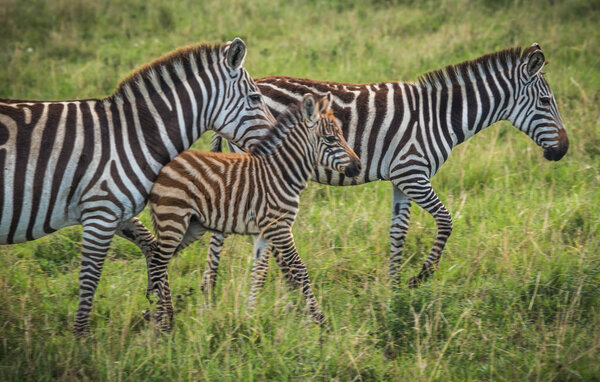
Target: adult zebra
x: 404, y: 132
x: 93, y: 162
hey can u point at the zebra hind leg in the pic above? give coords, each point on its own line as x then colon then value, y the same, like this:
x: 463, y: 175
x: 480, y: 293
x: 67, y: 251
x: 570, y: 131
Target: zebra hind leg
x: 209, y: 278
x: 285, y: 269
x: 174, y: 237
x: 136, y: 232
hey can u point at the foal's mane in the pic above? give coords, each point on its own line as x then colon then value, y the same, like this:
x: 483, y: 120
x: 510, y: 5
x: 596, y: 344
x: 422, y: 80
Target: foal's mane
x: 270, y: 141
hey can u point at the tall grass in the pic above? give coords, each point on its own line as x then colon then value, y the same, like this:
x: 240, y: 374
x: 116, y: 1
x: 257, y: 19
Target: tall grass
x: 516, y: 296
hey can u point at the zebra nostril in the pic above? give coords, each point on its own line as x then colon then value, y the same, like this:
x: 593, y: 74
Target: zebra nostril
x: 352, y: 170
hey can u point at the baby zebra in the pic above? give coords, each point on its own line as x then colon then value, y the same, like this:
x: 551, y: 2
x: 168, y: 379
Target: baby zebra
x: 255, y: 193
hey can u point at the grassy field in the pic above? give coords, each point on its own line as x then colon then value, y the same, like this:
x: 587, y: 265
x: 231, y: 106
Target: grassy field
x: 517, y: 294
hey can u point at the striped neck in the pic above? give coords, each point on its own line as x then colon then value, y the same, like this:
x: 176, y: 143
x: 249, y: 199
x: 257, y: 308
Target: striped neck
x: 164, y: 104
x: 290, y: 148
x: 474, y: 94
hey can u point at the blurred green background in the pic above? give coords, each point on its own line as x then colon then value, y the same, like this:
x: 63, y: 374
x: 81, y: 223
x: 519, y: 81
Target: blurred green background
x: 517, y: 293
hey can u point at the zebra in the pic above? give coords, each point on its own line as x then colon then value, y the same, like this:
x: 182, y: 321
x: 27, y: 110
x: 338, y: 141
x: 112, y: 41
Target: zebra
x: 404, y: 132
x: 255, y: 193
x: 92, y: 162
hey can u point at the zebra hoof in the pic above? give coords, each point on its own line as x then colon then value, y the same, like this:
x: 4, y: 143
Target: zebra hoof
x: 82, y: 333
x: 319, y: 319
x: 414, y: 282
x: 150, y: 316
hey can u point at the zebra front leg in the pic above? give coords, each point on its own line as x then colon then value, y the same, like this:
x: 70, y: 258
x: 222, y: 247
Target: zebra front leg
x: 422, y: 193
x: 283, y: 242
x: 259, y: 269
x: 400, y: 219
x: 209, y: 279
x: 97, y: 236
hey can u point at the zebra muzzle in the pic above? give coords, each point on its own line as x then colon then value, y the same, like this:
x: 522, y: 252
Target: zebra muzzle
x: 353, y: 170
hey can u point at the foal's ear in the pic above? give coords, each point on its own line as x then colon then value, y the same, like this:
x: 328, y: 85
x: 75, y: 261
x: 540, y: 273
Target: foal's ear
x: 309, y: 108
x: 325, y: 103
x: 236, y: 53
x: 535, y: 60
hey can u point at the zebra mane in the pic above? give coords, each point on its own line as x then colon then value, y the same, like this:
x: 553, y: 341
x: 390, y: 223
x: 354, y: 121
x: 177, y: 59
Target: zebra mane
x: 175, y: 60
x: 456, y: 74
x: 282, y: 127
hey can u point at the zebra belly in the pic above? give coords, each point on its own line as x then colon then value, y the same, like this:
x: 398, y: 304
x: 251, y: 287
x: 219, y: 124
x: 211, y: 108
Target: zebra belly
x: 26, y: 214
x: 243, y: 224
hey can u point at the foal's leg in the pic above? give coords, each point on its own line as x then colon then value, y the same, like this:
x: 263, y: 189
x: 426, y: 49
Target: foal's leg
x: 137, y: 233
x: 173, y: 235
x: 283, y: 241
x: 259, y: 269
x: 209, y: 279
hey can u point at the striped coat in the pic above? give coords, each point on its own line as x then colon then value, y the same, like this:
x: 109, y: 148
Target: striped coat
x: 255, y: 193
x: 93, y: 162
x: 404, y: 132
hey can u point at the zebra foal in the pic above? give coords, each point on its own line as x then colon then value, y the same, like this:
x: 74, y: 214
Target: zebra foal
x: 93, y: 162
x: 404, y: 132
x: 256, y: 193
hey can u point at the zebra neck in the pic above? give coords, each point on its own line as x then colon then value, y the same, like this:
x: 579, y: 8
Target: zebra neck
x: 295, y: 158
x: 163, y: 124
x: 473, y: 106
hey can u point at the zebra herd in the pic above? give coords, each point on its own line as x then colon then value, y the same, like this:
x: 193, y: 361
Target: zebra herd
x: 95, y: 162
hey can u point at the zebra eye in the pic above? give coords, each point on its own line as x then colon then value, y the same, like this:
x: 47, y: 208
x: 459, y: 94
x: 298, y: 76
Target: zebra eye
x: 254, y: 97
x: 545, y: 100
x: 330, y: 138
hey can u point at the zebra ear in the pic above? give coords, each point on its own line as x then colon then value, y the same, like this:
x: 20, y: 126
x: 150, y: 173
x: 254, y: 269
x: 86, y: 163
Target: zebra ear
x: 535, y: 61
x: 309, y: 108
x: 325, y: 103
x: 236, y: 53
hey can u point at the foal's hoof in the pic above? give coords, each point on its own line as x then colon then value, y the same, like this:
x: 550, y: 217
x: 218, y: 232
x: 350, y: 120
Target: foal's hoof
x: 82, y: 333
x: 147, y: 315
x: 321, y: 320
x: 150, y: 316
x: 414, y: 282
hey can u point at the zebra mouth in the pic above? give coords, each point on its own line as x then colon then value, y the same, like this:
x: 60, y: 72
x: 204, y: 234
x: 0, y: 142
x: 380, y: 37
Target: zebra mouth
x: 554, y: 153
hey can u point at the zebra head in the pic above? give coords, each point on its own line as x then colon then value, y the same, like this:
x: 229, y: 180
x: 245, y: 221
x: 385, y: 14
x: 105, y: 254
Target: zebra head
x: 534, y: 110
x: 243, y: 116
x: 332, y: 149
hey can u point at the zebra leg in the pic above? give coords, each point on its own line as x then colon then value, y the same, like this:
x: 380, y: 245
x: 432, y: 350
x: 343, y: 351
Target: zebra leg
x: 285, y: 269
x: 284, y: 243
x: 137, y: 233
x: 159, y: 284
x: 259, y: 269
x: 422, y: 193
x: 174, y: 237
x: 209, y: 279
x: 97, y: 235
x: 400, y: 219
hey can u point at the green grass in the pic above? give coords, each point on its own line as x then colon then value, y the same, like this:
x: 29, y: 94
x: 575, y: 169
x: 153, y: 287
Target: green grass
x: 516, y: 296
